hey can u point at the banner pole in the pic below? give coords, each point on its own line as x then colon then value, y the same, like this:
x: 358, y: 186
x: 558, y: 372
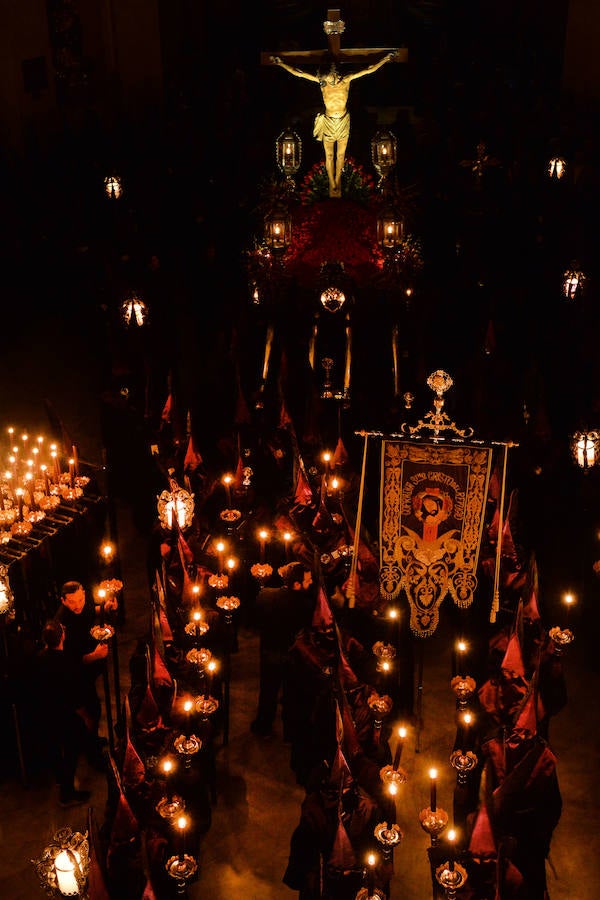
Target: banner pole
x: 496, y: 594
x: 351, y: 591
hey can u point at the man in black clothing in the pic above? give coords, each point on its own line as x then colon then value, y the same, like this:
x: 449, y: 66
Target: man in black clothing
x: 281, y: 612
x: 77, y: 614
x: 61, y: 722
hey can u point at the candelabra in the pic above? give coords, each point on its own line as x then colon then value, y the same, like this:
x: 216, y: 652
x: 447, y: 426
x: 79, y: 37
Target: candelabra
x: 463, y: 687
x: 261, y: 571
x: 228, y: 605
x: 433, y: 821
x: 385, y: 653
x: 187, y: 745
x: 388, y: 836
x: 380, y: 706
x: 451, y: 877
x: 561, y: 638
x: 181, y: 867
x: 463, y: 763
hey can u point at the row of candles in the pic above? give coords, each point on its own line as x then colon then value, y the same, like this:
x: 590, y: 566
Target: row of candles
x: 433, y: 819
x: 33, y: 477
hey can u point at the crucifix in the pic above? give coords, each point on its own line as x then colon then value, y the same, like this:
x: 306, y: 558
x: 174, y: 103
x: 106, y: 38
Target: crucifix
x: 332, y: 126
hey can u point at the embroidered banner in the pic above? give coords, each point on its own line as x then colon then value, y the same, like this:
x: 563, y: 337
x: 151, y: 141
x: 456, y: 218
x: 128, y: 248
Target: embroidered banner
x: 432, y: 513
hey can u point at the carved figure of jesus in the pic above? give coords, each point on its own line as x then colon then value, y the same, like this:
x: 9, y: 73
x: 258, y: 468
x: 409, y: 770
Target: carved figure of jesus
x: 332, y: 127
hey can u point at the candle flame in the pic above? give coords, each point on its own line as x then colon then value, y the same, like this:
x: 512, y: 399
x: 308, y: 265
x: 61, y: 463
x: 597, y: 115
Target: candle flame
x: 402, y: 733
x: 167, y: 766
x: 231, y: 563
x: 182, y: 822
x: 220, y: 546
x: 467, y: 718
x: 461, y: 646
x: 393, y: 789
x: 371, y: 859
x: 569, y: 599
x: 433, y: 774
x: 451, y: 835
x: 187, y: 705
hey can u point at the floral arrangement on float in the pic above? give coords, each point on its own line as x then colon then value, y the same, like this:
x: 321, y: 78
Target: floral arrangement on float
x: 325, y: 229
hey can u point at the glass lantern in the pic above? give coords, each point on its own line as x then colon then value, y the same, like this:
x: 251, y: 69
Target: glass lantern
x: 390, y: 228
x: 383, y: 151
x: 289, y: 152
x: 175, y: 506
x: 585, y: 447
x: 556, y: 168
x: 278, y: 229
x: 113, y: 187
x: 573, y: 280
x: 133, y: 310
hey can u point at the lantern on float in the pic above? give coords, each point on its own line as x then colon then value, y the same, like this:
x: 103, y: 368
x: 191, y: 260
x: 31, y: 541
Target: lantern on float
x: 278, y: 229
x: 289, y: 153
x: 390, y: 228
x: 383, y: 154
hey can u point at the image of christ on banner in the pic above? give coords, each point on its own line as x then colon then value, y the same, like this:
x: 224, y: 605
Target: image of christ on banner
x: 432, y: 512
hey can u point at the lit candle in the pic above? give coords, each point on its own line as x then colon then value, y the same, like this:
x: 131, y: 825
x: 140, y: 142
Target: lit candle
x: 287, y: 537
x: 187, y: 708
x: 64, y: 864
x: 451, y: 838
x: 432, y: 790
x: 231, y: 563
x: 167, y: 766
x: 107, y: 551
x: 262, y: 536
x: 227, y: 480
x: 197, y: 617
x: 19, y: 494
x: 220, y: 551
x: 461, y: 649
x: 569, y: 601
x: 327, y: 458
x: 30, y: 483
x: 101, y: 602
x: 399, y: 746
x: 72, y: 473
x: 371, y: 860
x: 44, y: 470
x: 467, y: 719
x: 182, y: 824
x: 210, y: 669
x: 54, y: 455
x: 75, y: 458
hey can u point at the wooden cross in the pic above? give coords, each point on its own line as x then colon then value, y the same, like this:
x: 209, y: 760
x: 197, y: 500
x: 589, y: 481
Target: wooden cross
x: 334, y: 28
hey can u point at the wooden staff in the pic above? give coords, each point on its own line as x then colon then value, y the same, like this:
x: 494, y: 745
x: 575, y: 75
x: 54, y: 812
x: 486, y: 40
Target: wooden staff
x: 395, y: 360
x: 268, y: 345
x: 351, y: 591
x: 348, y: 362
x: 496, y: 595
x: 312, y: 344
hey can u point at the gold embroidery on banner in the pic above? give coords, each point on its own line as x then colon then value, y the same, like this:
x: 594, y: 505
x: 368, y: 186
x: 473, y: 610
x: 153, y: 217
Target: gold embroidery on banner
x: 433, y: 505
